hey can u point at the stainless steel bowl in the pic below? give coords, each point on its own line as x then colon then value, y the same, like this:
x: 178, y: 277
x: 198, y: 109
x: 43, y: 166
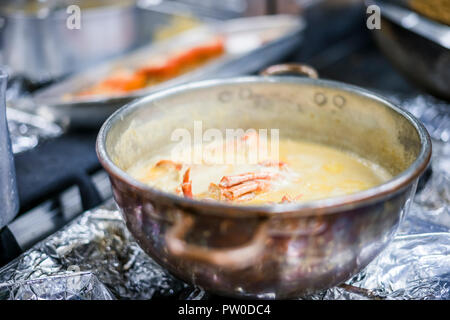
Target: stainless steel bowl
x: 272, y: 251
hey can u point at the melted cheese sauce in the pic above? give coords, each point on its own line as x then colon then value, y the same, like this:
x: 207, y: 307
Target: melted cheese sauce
x: 314, y: 171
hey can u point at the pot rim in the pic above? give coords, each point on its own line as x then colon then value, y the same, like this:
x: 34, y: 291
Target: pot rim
x: 321, y: 206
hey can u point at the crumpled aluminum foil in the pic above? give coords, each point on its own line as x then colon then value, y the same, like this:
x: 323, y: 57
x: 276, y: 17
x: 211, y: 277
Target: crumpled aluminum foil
x: 95, y: 257
x: 99, y: 243
x: 77, y: 286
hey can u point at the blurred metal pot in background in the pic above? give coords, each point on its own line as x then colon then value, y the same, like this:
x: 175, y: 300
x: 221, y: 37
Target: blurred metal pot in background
x: 37, y: 43
x: 417, y: 46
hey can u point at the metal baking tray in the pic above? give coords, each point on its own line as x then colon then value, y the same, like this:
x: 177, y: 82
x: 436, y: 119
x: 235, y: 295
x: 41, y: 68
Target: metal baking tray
x: 240, y: 58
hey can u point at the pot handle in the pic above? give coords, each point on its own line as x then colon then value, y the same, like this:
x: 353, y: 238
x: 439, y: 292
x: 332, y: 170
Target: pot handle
x: 233, y: 258
x: 284, y: 68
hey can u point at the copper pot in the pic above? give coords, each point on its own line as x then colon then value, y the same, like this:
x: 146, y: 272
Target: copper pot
x: 272, y: 251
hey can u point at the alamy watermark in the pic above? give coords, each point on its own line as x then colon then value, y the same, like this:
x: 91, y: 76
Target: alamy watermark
x: 73, y: 21
x: 374, y: 19
x: 229, y: 146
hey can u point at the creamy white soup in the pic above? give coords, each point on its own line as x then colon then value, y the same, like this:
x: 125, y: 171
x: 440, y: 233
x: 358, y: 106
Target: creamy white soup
x: 301, y: 171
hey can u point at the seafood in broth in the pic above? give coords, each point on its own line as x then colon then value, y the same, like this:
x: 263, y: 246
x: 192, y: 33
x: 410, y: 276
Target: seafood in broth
x: 298, y: 171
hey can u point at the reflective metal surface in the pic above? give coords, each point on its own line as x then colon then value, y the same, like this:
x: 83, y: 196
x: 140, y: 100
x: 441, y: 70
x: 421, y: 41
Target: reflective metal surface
x: 416, y: 265
x: 27, y: 129
x: 95, y: 257
x: 290, y: 250
x: 52, y: 102
x: 418, y: 47
x: 9, y: 200
x: 432, y: 112
x: 77, y: 286
x: 40, y: 46
x: 410, y: 20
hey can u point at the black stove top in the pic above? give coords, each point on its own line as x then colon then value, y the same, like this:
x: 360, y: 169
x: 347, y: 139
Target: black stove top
x: 337, y: 43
